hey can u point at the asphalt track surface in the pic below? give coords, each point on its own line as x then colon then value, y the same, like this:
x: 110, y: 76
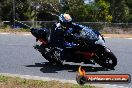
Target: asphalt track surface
x: 17, y: 56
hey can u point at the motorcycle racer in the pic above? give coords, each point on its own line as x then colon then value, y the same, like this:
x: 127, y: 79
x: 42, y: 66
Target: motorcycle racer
x: 77, y: 34
x: 65, y: 27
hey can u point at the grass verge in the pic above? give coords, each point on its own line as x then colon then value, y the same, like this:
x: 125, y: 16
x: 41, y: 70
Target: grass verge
x: 16, y: 82
x: 14, y: 30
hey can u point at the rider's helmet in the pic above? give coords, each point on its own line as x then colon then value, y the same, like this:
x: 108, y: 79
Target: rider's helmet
x: 65, y: 20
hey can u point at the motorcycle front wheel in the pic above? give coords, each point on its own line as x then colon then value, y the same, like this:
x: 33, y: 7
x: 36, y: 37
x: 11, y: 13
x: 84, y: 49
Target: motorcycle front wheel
x: 106, y: 59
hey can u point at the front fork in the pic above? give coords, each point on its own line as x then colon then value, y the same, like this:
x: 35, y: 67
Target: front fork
x: 98, y: 53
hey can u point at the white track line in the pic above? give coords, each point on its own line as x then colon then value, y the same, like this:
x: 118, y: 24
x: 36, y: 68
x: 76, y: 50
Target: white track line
x: 31, y: 34
x: 106, y: 37
x: 27, y: 34
x: 61, y: 80
x: 4, y: 33
x: 128, y: 38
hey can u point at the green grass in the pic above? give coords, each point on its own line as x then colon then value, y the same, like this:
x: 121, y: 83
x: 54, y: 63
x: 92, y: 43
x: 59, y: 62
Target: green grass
x: 16, y: 82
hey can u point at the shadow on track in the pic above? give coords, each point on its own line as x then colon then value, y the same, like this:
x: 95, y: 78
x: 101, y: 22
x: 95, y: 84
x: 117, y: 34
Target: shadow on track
x: 48, y: 68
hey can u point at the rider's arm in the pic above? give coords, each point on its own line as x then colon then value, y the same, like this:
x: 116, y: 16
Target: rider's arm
x: 76, y: 28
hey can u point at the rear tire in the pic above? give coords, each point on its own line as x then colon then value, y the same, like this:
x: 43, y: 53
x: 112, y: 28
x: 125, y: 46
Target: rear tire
x: 50, y: 56
x: 45, y: 54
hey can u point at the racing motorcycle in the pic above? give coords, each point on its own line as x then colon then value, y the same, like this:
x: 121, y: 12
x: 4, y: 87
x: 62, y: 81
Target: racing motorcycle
x: 85, y: 52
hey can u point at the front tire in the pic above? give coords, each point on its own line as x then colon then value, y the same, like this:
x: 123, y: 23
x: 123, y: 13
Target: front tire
x: 106, y: 60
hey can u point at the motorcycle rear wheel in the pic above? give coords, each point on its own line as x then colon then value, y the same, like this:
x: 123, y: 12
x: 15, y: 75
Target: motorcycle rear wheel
x: 50, y: 56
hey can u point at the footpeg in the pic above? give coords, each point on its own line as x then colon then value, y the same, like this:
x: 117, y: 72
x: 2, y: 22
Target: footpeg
x: 90, y: 62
